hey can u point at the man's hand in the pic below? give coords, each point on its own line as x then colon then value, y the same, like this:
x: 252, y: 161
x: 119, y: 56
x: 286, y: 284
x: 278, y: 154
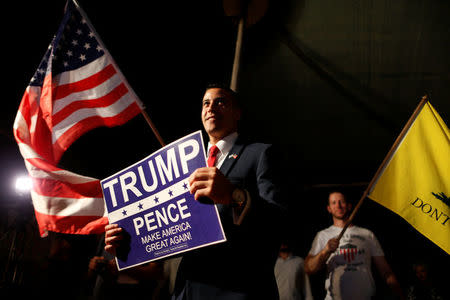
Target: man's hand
x: 314, y: 263
x: 332, y: 245
x: 113, y: 235
x: 210, y: 182
x: 97, y: 263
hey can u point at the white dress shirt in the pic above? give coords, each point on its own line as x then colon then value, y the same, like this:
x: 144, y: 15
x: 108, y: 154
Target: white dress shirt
x: 224, y: 146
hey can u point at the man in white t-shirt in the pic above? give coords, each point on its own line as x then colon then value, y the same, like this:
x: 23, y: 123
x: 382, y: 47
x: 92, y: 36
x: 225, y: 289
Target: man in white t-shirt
x: 292, y: 281
x: 349, y: 259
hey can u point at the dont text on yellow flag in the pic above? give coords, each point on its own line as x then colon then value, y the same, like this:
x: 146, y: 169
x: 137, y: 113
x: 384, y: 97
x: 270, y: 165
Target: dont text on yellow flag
x: 414, y: 182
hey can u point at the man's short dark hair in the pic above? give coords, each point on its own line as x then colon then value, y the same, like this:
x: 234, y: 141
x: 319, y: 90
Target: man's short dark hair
x: 340, y: 191
x: 336, y: 190
x: 221, y: 85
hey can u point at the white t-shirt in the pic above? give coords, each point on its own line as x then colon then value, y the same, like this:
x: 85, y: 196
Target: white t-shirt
x: 349, y: 273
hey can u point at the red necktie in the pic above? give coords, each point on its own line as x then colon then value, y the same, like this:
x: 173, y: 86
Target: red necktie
x: 212, y: 156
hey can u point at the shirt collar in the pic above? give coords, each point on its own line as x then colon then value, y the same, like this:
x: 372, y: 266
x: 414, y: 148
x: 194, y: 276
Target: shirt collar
x: 226, y: 143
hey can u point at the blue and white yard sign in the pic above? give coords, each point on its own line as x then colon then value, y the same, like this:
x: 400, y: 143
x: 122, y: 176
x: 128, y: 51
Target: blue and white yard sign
x: 150, y: 200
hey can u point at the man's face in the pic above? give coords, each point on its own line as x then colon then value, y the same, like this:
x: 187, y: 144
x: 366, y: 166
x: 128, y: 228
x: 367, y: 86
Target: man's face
x: 338, y: 206
x: 220, y: 115
x: 421, y: 273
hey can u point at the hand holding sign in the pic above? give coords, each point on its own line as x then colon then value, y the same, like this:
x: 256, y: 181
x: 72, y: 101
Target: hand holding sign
x: 113, y: 236
x: 210, y: 182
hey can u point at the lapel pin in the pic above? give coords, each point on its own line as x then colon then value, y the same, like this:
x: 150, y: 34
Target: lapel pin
x: 234, y: 155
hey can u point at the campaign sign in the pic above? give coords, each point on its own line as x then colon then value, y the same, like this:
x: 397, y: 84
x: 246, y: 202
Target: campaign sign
x: 151, y: 201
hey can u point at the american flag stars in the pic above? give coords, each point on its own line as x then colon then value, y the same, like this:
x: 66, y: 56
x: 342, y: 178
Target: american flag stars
x: 76, y: 45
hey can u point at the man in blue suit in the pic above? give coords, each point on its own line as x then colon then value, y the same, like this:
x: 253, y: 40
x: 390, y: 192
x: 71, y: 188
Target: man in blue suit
x: 241, y: 180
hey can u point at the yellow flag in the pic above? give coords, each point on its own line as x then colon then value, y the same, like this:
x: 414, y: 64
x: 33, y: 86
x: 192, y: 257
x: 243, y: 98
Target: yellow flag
x: 414, y: 181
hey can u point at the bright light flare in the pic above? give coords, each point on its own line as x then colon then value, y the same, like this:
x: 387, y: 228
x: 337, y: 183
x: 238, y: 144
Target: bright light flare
x: 23, y: 184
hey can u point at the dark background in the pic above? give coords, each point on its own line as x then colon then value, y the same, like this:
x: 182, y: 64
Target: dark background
x: 331, y: 82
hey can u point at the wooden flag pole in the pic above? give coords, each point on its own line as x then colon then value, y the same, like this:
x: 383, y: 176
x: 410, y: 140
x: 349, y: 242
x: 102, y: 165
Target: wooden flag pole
x: 152, y: 126
x: 237, y: 54
x: 384, y: 163
x: 248, y: 12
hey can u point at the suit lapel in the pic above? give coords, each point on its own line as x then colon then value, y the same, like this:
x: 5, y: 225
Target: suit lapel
x: 233, y: 156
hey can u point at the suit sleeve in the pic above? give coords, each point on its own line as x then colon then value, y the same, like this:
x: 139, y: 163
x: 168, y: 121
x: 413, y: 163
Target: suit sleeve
x: 268, y: 195
x: 269, y: 178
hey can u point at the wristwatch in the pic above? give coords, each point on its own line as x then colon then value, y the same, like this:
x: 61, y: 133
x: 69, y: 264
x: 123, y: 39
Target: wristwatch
x: 239, y: 197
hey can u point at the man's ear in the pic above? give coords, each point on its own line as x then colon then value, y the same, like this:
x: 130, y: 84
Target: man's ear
x: 329, y: 209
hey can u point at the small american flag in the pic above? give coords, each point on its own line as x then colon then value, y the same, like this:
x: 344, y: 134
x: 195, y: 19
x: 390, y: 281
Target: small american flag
x: 77, y: 87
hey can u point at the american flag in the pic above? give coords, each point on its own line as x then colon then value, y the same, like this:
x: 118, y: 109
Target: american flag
x: 77, y: 87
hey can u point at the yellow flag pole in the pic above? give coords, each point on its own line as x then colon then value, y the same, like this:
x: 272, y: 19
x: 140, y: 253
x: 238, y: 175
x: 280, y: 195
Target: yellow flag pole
x: 384, y: 163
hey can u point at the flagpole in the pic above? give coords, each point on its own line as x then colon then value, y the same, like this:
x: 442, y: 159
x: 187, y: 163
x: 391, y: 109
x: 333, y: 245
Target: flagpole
x: 384, y: 163
x: 247, y: 13
x: 139, y: 102
x: 152, y: 126
x: 237, y: 54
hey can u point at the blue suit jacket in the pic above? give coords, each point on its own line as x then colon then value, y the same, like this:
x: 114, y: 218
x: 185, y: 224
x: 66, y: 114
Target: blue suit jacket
x: 243, y: 266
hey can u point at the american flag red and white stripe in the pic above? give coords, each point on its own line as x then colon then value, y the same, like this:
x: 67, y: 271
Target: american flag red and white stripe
x: 77, y: 87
